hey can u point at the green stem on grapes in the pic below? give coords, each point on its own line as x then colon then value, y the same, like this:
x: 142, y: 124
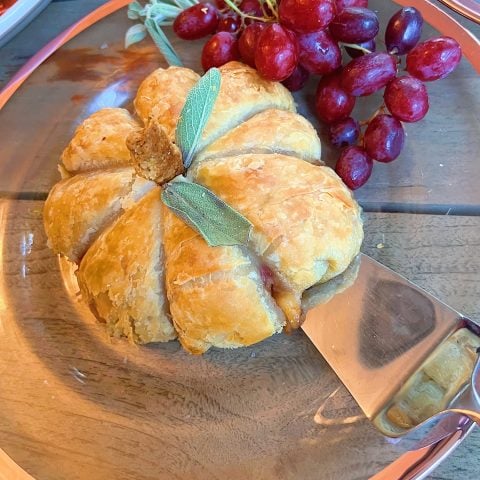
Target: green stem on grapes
x: 356, y: 47
x: 272, y: 5
x: 264, y: 10
x: 242, y: 14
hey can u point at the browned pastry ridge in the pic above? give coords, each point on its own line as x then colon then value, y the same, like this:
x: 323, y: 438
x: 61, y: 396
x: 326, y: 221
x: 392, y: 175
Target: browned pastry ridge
x: 162, y: 95
x: 99, y: 142
x: 152, y: 277
x: 122, y: 277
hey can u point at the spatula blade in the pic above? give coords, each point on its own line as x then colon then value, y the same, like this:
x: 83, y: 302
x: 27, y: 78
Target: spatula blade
x: 378, y: 332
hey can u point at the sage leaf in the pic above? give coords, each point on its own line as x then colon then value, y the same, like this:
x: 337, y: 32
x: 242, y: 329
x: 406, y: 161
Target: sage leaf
x: 135, y: 10
x: 183, y: 4
x: 164, y: 10
x: 196, y: 112
x: 162, y: 42
x: 136, y: 33
x: 218, y: 223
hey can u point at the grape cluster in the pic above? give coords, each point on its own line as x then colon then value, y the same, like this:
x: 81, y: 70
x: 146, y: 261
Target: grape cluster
x: 289, y: 40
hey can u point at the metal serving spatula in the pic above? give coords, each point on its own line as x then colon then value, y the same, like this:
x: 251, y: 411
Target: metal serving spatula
x: 405, y: 357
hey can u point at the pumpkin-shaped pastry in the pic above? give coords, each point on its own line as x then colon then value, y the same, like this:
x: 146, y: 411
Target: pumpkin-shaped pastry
x: 153, y: 277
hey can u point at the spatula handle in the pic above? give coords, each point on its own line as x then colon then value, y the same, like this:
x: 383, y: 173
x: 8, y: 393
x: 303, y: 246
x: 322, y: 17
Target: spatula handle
x: 468, y: 403
x: 417, y: 464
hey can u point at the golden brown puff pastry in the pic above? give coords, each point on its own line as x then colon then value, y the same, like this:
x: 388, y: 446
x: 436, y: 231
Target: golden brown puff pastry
x: 79, y: 208
x: 162, y: 95
x: 99, y: 142
x: 243, y: 94
x: 122, y: 275
x: 271, y: 131
x: 307, y: 226
x: 216, y: 294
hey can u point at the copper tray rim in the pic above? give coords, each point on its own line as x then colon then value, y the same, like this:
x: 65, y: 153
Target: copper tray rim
x: 414, y: 464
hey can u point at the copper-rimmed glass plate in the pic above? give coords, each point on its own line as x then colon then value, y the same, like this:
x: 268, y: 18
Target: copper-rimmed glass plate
x: 76, y: 404
x: 468, y: 8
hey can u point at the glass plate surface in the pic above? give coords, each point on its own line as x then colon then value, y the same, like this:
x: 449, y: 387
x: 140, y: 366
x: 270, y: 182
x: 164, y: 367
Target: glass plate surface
x: 76, y: 404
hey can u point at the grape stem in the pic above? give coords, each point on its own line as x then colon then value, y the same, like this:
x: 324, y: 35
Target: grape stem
x: 272, y: 5
x: 243, y: 15
x: 381, y: 109
x: 356, y: 47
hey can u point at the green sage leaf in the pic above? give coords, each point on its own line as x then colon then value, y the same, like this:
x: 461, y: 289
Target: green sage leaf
x: 183, y: 4
x: 218, y: 223
x: 162, y: 42
x: 136, y: 33
x: 196, y: 112
x: 163, y: 10
x: 135, y: 10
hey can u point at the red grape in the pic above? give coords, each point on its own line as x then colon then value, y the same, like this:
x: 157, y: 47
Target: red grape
x: 276, y: 55
x: 341, y: 4
x: 297, y: 79
x: 369, y: 73
x: 434, y: 59
x: 403, y: 30
x: 319, y: 52
x: 354, y: 25
x: 305, y: 16
x: 384, y: 138
x: 332, y: 102
x: 355, y: 52
x: 407, y: 99
x: 229, y: 23
x: 221, y: 5
x: 344, y: 133
x: 220, y: 49
x: 196, y: 21
x: 251, y: 7
x: 354, y: 167
x: 247, y: 42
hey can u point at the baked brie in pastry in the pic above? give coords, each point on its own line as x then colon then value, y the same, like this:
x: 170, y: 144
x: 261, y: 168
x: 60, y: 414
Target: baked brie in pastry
x: 149, y: 275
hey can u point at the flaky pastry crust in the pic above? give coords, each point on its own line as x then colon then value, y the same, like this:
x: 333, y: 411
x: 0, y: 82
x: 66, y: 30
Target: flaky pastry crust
x: 79, y: 208
x: 122, y: 274
x: 270, y: 131
x: 216, y: 294
x: 307, y: 225
x: 162, y: 95
x: 99, y: 142
x: 140, y: 264
x: 243, y: 94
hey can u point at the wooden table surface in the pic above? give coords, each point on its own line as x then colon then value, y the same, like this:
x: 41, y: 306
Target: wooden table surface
x: 405, y: 229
